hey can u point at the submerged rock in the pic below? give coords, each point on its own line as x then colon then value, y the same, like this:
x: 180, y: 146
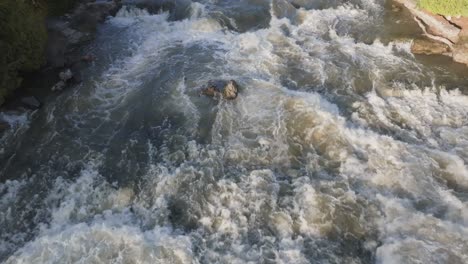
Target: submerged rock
x: 87, y: 16
x: 219, y: 88
x: 4, y: 126
x: 429, y: 46
x: 31, y: 102
x: 88, y: 58
x: 396, y: 8
x: 58, y: 86
x: 74, y: 29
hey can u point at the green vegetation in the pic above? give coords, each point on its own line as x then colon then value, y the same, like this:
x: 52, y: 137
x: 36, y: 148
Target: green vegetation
x: 58, y: 7
x: 446, y: 7
x: 23, y: 37
x: 22, y: 41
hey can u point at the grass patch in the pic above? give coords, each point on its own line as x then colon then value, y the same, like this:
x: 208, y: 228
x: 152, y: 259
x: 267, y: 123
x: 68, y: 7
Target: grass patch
x: 446, y: 7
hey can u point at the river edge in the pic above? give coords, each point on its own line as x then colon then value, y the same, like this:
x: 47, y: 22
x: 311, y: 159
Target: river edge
x: 442, y: 34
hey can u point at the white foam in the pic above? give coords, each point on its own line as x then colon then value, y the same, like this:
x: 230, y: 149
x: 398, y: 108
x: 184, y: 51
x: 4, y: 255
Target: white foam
x: 131, y: 12
x: 9, y: 193
x: 104, y: 242
x: 15, y: 119
x: 283, y: 169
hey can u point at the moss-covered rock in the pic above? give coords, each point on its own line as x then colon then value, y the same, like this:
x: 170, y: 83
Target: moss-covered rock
x: 58, y: 7
x: 23, y: 37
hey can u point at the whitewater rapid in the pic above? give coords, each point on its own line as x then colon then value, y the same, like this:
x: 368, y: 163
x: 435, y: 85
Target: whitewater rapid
x: 341, y: 148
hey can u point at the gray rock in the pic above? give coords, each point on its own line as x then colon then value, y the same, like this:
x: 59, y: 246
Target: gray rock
x: 58, y: 86
x: 66, y: 75
x: 31, y: 102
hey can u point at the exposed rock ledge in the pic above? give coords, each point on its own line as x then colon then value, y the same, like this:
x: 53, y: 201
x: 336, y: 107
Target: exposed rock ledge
x: 445, y: 35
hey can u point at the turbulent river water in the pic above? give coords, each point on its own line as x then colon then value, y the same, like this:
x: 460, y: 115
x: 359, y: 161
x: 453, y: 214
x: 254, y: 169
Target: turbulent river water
x: 342, y: 147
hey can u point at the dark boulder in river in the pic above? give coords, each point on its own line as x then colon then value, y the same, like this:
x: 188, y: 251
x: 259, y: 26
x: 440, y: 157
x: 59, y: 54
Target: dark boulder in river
x: 31, y: 102
x: 220, y: 88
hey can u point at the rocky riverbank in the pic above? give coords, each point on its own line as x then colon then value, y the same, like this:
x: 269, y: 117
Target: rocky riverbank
x: 35, y: 36
x: 442, y: 34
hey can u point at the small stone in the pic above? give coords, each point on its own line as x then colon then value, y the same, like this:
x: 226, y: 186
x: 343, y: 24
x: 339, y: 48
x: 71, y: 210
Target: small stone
x: 31, y: 102
x: 66, y: 75
x: 58, y: 86
x: 87, y: 58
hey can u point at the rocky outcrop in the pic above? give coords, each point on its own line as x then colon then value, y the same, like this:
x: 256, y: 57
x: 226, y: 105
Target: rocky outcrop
x: 443, y: 34
x: 221, y: 89
x: 462, y: 23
